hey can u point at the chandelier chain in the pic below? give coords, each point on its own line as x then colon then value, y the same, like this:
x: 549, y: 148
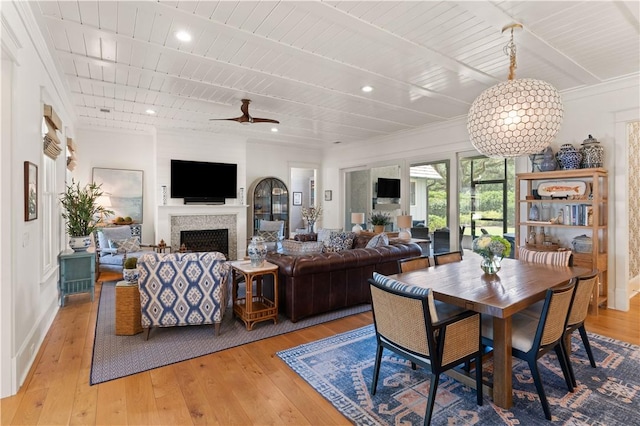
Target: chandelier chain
x: 510, y: 50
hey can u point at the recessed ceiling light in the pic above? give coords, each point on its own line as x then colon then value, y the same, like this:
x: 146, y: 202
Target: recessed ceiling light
x: 367, y: 89
x: 183, y: 36
x: 150, y: 112
x: 274, y: 129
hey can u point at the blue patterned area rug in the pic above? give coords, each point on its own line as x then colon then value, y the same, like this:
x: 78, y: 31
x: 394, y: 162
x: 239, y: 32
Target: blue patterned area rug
x: 341, y: 369
x: 119, y: 356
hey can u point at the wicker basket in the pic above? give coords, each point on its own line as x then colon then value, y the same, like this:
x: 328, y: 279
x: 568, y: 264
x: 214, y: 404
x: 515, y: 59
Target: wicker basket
x: 128, y: 316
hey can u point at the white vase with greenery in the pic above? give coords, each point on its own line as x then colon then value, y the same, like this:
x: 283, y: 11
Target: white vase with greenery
x: 80, y: 211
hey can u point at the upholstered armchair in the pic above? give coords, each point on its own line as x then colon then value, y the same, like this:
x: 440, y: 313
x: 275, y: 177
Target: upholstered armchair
x: 180, y: 289
x: 113, y: 245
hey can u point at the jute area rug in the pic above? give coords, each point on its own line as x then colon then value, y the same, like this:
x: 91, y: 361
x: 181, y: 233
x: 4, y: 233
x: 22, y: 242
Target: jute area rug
x: 341, y: 369
x: 119, y: 356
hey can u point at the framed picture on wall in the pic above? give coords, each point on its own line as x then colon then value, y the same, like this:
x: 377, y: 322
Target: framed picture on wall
x: 297, y: 198
x: 124, y: 188
x: 328, y: 195
x: 30, y: 191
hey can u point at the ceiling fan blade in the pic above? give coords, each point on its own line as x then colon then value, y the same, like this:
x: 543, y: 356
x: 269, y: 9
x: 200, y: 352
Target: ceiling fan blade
x: 241, y: 119
x: 265, y: 120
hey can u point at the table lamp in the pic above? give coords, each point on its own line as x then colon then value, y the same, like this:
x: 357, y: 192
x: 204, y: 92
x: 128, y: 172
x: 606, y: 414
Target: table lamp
x: 404, y: 223
x: 357, y: 219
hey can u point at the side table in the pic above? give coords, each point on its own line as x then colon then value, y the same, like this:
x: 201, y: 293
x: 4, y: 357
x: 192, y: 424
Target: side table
x: 257, y: 307
x: 77, y: 273
x: 128, y: 316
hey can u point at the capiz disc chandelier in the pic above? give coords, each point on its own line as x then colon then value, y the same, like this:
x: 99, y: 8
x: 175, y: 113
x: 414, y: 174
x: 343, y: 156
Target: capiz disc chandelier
x: 516, y: 117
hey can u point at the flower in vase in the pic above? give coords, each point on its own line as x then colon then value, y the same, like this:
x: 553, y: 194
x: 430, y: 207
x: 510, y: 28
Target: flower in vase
x: 492, y: 245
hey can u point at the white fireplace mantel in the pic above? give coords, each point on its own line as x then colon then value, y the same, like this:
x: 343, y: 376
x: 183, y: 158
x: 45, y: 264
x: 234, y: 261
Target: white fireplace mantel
x: 165, y: 213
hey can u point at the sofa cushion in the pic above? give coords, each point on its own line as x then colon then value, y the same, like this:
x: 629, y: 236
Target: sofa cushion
x: 339, y: 241
x: 110, y: 233
x: 378, y: 240
x: 125, y: 246
x: 293, y: 247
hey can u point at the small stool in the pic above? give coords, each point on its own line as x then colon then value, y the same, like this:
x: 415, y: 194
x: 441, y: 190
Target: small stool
x: 128, y: 316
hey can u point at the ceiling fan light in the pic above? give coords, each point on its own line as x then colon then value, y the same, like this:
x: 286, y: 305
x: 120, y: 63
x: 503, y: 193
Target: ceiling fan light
x: 367, y: 89
x: 183, y: 36
x: 274, y: 129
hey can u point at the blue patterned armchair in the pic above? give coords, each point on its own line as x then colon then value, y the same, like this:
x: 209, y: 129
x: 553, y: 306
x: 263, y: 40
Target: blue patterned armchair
x: 179, y: 289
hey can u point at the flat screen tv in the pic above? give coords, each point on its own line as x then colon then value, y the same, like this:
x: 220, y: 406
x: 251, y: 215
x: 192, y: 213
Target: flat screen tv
x: 388, y: 188
x: 203, y: 182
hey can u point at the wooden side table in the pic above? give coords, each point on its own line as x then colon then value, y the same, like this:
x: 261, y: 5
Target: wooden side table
x: 128, y: 316
x: 257, y: 307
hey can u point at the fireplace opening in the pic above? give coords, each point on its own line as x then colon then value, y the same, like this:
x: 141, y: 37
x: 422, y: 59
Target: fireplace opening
x: 206, y: 240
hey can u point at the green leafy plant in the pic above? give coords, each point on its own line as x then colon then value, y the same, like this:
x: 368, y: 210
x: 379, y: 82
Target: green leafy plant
x: 80, y: 208
x: 380, y: 218
x: 131, y: 263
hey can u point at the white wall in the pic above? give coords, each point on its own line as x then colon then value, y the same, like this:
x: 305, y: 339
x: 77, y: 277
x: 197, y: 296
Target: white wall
x: 29, y: 293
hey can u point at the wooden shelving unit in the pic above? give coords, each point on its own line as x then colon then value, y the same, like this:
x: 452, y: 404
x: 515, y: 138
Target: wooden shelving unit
x: 596, y: 196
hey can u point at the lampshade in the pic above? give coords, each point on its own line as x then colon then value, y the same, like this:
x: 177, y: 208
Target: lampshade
x: 516, y: 117
x: 357, y: 218
x: 104, y: 201
x: 404, y: 221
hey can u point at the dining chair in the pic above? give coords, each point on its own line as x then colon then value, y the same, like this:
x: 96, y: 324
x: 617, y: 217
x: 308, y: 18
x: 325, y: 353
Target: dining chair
x: 443, y: 258
x: 413, y: 263
x: 577, y: 316
x: 408, y: 323
x: 532, y: 337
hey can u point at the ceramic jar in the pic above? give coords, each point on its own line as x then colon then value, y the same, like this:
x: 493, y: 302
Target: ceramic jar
x: 592, y: 153
x: 569, y: 157
x: 257, y: 251
x: 79, y: 243
x: 548, y: 160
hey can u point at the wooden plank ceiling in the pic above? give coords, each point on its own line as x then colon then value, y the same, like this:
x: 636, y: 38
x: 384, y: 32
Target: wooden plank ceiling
x: 304, y: 62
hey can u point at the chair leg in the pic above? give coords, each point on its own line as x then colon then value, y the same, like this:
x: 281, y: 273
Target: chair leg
x: 433, y: 388
x: 533, y: 366
x: 587, y: 346
x: 146, y: 336
x: 567, y: 354
x: 563, y: 358
x: 413, y: 366
x: 479, y: 379
x: 376, y: 369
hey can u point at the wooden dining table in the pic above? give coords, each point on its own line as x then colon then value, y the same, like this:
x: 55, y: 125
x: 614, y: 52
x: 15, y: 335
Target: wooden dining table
x: 515, y: 287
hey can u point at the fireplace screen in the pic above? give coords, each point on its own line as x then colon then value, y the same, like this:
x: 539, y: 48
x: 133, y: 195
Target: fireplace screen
x: 206, y: 240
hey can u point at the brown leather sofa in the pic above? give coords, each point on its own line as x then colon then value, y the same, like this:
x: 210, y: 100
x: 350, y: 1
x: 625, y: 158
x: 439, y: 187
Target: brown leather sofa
x: 317, y: 283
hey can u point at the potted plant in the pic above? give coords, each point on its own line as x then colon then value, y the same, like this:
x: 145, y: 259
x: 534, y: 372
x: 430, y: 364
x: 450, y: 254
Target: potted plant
x: 379, y: 220
x: 80, y: 211
x: 130, y: 271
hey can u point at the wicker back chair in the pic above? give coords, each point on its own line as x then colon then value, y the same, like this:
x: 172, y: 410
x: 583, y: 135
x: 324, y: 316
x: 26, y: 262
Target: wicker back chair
x: 413, y: 263
x: 532, y: 337
x: 577, y: 316
x: 442, y: 258
x: 408, y: 324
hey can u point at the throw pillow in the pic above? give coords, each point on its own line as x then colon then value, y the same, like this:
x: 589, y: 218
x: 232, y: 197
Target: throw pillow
x: 378, y: 240
x: 325, y: 233
x: 126, y: 245
x: 339, y: 241
x: 269, y: 236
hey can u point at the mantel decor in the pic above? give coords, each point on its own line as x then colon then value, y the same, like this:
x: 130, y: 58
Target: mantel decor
x: 516, y: 117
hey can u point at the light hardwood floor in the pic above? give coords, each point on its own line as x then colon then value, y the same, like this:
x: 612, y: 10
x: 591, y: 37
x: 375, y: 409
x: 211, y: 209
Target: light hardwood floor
x: 240, y: 386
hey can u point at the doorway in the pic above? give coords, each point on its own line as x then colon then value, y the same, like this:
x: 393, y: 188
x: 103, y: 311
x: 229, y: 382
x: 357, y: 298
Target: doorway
x: 303, y: 194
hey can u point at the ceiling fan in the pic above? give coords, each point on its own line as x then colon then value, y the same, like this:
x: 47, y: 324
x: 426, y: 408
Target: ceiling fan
x: 245, y: 118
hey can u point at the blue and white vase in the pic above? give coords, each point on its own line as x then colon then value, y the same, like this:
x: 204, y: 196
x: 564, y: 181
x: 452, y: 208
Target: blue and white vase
x: 569, y: 157
x: 257, y: 251
x: 592, y: 153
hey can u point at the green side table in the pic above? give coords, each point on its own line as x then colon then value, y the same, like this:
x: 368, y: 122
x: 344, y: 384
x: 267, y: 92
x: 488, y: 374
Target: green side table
x: 77, y: 273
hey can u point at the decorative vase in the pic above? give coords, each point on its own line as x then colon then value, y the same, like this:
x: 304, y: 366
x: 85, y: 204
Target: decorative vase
x: 549, y: 162
x: 592, y: 153
x: 80, y: 243
x: 130, y: 275
x: 310, y: 226
x: 569, y: 157
x: 490, y: 264
x: 257, y: 251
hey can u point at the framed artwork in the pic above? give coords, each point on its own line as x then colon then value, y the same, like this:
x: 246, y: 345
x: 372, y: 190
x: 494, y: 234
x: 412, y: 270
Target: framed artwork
x: 124, y: 190
x: 297, y: 198
x: 328, y: 195
x: 30, y: 191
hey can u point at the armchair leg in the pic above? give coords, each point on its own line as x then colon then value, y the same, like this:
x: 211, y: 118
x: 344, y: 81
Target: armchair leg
x: 433, y: 388
x: 587, y: 346
x: 217, y: 328
x: 146, y: 335
x: 376, y: 369
x: 533, y: 366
